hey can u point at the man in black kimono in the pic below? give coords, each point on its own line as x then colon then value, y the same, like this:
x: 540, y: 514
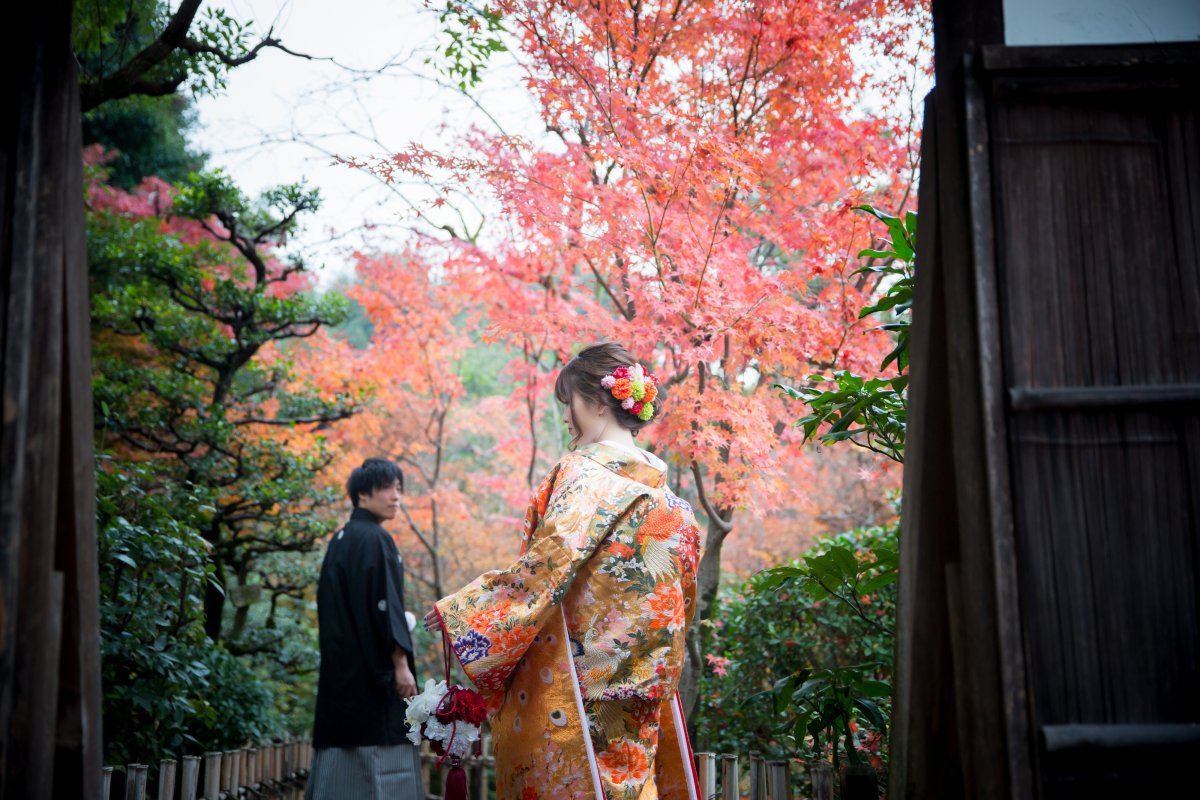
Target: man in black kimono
x: 367, y: 668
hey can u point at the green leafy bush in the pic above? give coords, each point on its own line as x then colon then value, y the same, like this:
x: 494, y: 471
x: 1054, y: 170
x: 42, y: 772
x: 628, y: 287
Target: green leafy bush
x: 800, y: 662
x: 167, y: 688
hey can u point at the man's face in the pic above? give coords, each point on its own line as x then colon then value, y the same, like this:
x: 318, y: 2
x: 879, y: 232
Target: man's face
x: 384, y: 502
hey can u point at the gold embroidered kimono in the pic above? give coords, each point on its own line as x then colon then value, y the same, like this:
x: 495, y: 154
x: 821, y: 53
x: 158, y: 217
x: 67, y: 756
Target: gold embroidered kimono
x: 579, y: 645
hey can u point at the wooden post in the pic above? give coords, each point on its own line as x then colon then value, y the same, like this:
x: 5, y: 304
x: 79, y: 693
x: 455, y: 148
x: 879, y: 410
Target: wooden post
x: 301, y: 767
x: 780, y: 781
x: 729, y: 777
x: 706, y: 770
x: 106, y: 785
x: 477, y: 788
x: 226, y: 777
x: 289, y: 767
x: 253, y: 773
x: 189, y: 778
x: 280, y: 763
x: 859, y: 782
x: 234, y: 760
x: 212, y: 776
x: 758, y: 783
x: 49, y: 620
x: 821, y: 775
x: 135, y: 782
x: 166, y: 779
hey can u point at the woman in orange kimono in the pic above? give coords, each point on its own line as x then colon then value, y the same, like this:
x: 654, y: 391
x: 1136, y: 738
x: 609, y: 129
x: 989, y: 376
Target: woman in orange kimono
x: 579, y: 645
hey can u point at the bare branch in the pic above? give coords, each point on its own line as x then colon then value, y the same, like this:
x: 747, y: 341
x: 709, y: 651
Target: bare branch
x: 131, y: 78
x: 714, y: 516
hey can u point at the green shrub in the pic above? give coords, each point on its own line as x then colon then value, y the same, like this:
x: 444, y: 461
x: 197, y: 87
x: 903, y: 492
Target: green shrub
x: 800, y: 661
x: 167, y: 688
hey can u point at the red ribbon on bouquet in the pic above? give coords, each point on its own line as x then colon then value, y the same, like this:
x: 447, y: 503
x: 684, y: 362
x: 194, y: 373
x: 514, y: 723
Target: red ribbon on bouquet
x: 457, y: 704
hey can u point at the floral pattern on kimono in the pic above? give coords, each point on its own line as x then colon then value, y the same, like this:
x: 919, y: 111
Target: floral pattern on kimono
x: 579, y: 645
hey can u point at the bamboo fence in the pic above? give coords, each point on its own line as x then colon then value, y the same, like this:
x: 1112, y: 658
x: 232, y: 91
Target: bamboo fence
x: 279, y: 770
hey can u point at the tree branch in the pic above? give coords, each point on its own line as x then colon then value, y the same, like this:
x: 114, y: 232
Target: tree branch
x: 715, y: 517
x: 131, y: 78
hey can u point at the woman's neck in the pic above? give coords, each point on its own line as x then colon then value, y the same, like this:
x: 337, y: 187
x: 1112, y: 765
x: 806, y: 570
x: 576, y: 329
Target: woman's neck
x: 620, y: 437
x: 624, y: 442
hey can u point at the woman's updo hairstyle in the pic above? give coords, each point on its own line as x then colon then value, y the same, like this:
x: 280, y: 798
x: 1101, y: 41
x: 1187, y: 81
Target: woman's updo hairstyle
x: 583, y: 376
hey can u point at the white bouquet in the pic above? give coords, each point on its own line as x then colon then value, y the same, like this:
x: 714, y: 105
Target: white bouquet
x: 451, y: 717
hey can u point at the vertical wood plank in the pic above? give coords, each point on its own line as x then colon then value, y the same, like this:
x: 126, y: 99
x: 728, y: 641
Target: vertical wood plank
x: 79, y: 747
x: 821, y: 776
x: 780, y: 778
x: 48, y: 748
x: 212, y: 776
x: 166, y: 780
x: 984, y: 757
x: 729, y: 777
x: 189, y: 778
x: 29, y: 764
x: 235, y: 771
x: 24, y: 59
x: 478, y: 780
x: 135, y: 782
x: 706, y: 770
x: 227, y: 782
x: 758, y: 786
x: 997, y: 555
x: 925, y: 749
x: 252, y: 774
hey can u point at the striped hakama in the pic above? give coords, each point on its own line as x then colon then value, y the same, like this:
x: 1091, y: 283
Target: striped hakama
x: 366, y: 773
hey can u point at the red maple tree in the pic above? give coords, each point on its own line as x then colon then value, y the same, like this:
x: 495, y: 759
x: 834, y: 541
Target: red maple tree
x: 692, y: 200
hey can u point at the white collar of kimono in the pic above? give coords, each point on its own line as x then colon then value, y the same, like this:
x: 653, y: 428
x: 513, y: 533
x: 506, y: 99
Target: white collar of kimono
x: 649, y: 458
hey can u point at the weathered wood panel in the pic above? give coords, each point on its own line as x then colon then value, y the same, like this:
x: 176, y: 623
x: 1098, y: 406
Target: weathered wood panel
x: 1097, y: 220
x: 1059, y: 259
x: 49, y: 654
x: 926, y: 717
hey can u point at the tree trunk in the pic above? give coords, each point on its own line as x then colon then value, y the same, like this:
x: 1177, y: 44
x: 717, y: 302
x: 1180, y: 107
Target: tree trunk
x: 708, y: 580
x: 214, y: 601
x: 241, y: 612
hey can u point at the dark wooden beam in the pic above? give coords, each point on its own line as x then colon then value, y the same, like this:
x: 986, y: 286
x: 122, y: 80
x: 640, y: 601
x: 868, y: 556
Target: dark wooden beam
x: 925, y: 721
x: 50, y: 738
x: 1059, y: 738
x: 997, y: 58
x: 1024, y: 398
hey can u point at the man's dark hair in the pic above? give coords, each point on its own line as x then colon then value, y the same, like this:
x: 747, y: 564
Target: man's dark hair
x: 375, y: 473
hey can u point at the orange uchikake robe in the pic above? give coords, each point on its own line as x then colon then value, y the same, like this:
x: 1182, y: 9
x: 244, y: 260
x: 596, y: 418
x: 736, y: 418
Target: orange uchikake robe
x: 579, y: 645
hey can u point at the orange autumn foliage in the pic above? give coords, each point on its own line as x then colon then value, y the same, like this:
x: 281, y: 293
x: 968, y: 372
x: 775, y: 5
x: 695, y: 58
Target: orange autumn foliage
x: 695, y: 206
x: 694, y: 203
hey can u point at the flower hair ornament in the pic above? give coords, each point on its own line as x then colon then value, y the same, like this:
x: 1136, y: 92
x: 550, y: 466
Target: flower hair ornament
x: 635, y: 388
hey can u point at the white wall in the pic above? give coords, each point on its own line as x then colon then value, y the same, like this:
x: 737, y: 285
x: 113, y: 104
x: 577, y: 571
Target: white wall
x: 1046, y: 22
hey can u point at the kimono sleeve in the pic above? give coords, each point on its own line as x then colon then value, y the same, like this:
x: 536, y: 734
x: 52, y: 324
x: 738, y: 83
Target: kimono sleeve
x: 493, y: 620
x: 389, y: 626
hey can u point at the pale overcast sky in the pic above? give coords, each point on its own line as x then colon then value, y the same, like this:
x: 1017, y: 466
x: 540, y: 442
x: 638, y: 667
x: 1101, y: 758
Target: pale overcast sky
x: 280, y: 116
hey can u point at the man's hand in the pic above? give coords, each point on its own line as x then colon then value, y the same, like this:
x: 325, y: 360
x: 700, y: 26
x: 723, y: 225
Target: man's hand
x: 432, y: 621
x: 406, y: 684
